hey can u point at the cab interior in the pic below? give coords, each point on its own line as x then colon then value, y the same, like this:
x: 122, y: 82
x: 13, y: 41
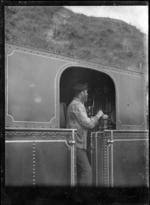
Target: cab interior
x: 101, y: 93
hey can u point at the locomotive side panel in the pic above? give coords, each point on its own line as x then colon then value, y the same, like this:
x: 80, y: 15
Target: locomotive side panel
x: 33, y: 89
x: 130, y: 101
x: 30, y: 88
x: 35, y: 158
x: 120, y: 158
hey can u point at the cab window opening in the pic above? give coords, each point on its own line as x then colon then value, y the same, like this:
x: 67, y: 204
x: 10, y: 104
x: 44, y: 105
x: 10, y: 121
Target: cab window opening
x: 101, y: 93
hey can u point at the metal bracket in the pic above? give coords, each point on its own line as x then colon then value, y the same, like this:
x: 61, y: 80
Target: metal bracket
x: 109, y: 142
x: 71, y: 142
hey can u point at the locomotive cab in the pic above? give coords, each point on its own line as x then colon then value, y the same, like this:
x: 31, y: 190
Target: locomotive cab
x: 39, y: 88
x: 101, y: 94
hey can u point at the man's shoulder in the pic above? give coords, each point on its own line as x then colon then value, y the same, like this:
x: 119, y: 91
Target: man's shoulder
x: 75, y: 102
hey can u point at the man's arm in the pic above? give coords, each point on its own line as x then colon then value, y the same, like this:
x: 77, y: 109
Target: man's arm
x: 83, y: 119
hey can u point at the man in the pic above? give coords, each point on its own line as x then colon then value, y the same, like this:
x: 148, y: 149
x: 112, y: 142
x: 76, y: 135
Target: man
x: 77, y: 119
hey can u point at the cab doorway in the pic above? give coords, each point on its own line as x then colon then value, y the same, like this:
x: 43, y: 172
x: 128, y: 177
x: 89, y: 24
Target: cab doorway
x: 101, y: 93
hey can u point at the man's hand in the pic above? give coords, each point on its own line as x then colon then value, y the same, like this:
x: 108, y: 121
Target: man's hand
x: 99, y: 114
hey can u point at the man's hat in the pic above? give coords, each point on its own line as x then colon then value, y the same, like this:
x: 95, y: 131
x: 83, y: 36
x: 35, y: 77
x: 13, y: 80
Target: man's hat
x: 80, y: 86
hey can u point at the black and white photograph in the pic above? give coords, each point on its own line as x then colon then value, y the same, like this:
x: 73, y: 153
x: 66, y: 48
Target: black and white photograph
x: 75, y: 103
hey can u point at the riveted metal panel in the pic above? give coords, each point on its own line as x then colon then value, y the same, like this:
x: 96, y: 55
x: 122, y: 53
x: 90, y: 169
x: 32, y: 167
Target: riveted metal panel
x: 121, y: 159
x: 18, y: 163
x: 40, y: 157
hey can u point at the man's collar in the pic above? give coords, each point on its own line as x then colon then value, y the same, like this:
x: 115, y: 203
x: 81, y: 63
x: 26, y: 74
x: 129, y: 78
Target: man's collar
x: 75, y: 98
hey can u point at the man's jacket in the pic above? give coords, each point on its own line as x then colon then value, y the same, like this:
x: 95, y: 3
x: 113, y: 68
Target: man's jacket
x: 77, y: 119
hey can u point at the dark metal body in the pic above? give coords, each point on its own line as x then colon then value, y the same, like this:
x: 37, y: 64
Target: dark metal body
x: 33, y: 91
x: 40, y: 157
x: 38, y: 152
x: 120, y: 158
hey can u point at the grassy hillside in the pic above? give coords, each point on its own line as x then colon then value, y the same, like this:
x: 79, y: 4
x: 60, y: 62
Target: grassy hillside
x: 59, y: 30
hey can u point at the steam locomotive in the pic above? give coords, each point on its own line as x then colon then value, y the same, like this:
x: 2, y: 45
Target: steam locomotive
x: 41, y: 151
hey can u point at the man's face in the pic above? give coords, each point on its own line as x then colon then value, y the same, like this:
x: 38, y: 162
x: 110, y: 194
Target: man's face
x: 85, y: 95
